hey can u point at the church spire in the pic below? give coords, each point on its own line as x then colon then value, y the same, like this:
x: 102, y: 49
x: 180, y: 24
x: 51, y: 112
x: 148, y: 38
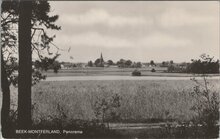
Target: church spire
x: 101, y: 61
x: 101, y: 57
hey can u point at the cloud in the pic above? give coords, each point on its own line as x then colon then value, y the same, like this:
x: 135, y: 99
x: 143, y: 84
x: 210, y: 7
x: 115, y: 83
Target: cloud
x: 92, y: 39
x: 99, y: 16
x: 162, y: 40
x: 179, y: 17
x: 187, y: 28
x: 154, y: 40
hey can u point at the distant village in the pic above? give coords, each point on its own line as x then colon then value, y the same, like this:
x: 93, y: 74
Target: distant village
x: 122, y: 63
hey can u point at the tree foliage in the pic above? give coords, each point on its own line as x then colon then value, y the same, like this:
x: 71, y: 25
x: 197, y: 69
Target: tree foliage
x: 138, y: 65
x: 206, y: 106
x: 99, y: 63
x: 90, y: 64
x: 48, y: 63
x: 204, y: 65
x: 152, y: 63
x: 41, y: 41
x: 110, y: 62
x: 128, y: 63
x: 121, y: 63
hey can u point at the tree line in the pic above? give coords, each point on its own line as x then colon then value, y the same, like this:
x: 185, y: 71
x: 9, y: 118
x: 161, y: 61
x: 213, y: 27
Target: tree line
x: 204, y: 65
x: 122, y: 63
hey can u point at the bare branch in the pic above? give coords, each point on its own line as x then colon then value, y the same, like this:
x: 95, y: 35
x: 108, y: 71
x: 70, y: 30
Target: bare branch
x: 4, y: 19
x: 36, y: 50
x: 38, y: 36
x: 33, y: 34
x: 39, y: 29
x: 9, y: 21
x: 58, y: 47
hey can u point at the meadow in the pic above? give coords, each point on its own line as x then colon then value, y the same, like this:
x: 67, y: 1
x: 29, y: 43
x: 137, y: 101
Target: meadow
x: 115, y: 71
x: 140, y: 101
x: 117, y: 104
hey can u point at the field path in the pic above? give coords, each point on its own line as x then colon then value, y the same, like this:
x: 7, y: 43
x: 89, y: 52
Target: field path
x: 84, y: 78
x: 136, y: 125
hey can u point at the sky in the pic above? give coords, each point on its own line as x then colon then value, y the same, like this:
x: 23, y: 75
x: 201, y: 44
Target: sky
x: 137, y: 30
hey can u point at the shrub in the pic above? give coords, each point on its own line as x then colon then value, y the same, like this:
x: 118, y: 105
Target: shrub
x: 207, y: 105
x: 136, y: 73
x: 105, y: 109
x: 153, y: 70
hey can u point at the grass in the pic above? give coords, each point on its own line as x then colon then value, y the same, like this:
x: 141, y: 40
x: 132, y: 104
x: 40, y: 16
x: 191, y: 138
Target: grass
x: 68, y: 102
x: 94, y: 71
x: 100, y: 71
x: 140, y: 100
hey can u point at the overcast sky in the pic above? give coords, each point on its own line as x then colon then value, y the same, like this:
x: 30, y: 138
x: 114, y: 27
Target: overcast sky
x: 137, y: 30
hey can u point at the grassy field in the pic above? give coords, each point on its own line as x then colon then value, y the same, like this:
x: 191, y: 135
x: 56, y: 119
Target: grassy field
x: 140, y: 101
x: 96, y: 71
x: 115, y: 71
x: 118, y: 103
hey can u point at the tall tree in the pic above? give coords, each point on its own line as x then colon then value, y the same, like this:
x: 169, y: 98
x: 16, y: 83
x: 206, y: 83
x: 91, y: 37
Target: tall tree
x: 5, y: 99
x: 40, y: 41
x: 6, y: 43
x: 25, y: 64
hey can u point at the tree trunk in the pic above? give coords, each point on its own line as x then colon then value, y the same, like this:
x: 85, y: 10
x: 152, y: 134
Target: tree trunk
x: 25, y: 65
x: 5, y: 100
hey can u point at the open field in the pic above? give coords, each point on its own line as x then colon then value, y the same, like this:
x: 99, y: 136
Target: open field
x: 97, y: 71
x: 128, y: 78
x: 141, y: 101
x: 114, y: 71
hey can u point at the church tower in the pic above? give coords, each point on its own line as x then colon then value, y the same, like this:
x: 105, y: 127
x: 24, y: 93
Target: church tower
x: 101, y: 61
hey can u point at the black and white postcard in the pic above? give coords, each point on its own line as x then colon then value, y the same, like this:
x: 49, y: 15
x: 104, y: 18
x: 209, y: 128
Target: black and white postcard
x: 110, y: 69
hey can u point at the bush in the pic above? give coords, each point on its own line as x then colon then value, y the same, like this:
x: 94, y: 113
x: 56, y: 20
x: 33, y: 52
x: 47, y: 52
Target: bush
x: 153, y: 70
x: 105, y: 109
x: 207, y: 106
x: 136, y: 73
